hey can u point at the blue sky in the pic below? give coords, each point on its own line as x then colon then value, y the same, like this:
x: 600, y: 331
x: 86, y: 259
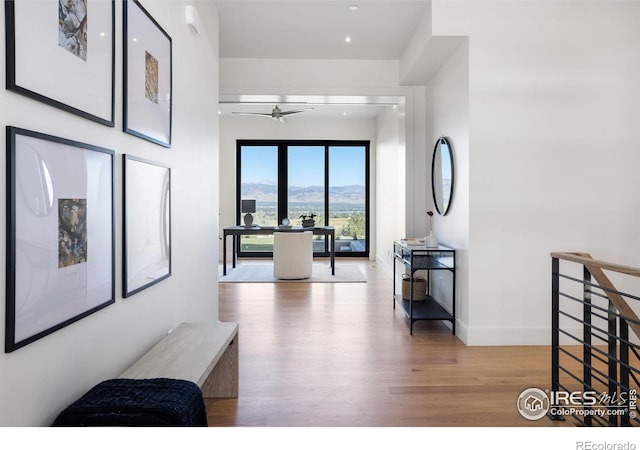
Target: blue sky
x: 306, y: 165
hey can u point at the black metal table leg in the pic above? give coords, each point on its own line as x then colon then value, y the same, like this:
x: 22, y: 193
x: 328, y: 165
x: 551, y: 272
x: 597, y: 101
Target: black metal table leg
x: 224, y: 253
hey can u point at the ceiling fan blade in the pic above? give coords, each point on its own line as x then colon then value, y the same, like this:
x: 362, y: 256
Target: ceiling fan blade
x: 250, y: 113
x: 276, y: 114
x: 294, y: 111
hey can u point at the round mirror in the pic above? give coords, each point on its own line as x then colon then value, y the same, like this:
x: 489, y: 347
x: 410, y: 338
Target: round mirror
x: 442, y: 176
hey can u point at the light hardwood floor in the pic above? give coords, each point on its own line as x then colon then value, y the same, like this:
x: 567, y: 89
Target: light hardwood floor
x: 338, y: 354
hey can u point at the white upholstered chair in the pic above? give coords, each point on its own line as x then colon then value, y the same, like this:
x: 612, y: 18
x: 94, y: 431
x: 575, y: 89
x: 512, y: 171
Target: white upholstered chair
x: 292, y: 255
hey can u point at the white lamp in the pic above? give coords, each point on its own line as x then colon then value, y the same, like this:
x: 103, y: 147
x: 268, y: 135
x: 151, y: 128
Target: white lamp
x: 248, y: 207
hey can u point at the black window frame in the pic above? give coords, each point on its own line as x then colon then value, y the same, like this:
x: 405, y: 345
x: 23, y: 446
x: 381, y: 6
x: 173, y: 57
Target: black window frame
x: 282, y: 145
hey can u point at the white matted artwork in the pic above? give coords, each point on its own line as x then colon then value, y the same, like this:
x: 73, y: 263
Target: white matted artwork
x: 62, y: 53
x: 147, y: 224
x: 147, y: 76
x: 60, y: 234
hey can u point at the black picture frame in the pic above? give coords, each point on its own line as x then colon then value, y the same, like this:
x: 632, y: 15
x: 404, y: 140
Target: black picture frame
x: 147, y: 76
x: 146, y: 224
x: 47, y: 62
x: 60, y: 234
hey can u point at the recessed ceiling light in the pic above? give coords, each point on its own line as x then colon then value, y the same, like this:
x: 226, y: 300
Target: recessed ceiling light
x: 344, y: 113
x: 347, y: 39
x: 353, y: 7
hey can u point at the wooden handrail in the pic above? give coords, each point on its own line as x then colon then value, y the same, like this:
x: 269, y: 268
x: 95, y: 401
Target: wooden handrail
x: 596, y: 268
x: 587, y: 260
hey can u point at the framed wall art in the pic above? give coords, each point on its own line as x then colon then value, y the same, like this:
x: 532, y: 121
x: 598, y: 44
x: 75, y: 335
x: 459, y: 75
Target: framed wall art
x: 147, y: 76
x: 62, y: 53
x: 60, y: 234
x: 147, y: 224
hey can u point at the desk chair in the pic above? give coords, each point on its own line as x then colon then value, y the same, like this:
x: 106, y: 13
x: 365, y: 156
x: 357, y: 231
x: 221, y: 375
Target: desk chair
x: 292, y: 255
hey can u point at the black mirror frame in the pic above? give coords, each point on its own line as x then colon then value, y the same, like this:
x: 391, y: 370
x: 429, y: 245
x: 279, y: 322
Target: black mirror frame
x: 436, y: 149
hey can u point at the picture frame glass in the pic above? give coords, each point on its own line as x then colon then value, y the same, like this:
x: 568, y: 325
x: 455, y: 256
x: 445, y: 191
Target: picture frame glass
x: 147, y: 224
x: 60, y: 234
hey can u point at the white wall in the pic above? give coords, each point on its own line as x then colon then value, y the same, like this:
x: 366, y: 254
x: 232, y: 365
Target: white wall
x: 233, y: 128
x: 417, y: 181
x: 390, y: 185
x: 447, y: 103
x: 39, y: 380
x: 553, y: 150
x: 307, y: 76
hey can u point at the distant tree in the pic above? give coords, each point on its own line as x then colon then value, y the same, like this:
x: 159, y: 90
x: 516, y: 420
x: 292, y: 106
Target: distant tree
x: 355, y: 225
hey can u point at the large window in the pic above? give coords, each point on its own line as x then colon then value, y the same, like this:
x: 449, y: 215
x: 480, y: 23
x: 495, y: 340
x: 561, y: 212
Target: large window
x: 289, y: 179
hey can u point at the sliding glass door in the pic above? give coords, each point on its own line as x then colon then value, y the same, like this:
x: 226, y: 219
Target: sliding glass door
x: 288, y: 179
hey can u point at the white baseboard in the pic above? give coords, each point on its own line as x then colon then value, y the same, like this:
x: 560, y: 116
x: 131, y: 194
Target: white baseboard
x: 384, y: 266
x: 513, y: 336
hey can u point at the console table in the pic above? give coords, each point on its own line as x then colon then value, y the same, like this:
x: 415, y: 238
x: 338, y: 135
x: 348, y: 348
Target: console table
x: 414, y: 257
x: 236, y: 231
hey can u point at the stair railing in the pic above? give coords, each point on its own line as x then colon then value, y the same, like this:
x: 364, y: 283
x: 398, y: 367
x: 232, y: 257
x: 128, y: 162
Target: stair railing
x: 595, y: 370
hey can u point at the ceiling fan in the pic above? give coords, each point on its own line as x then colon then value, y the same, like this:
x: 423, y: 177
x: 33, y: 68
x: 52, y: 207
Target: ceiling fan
x: 276, y: 113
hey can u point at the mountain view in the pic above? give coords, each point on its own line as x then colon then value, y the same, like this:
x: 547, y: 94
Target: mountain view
x: 347, y: 195
x: 347, y: 206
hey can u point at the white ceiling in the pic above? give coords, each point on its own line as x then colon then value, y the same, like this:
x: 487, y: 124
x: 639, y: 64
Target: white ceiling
x: 316, y: 29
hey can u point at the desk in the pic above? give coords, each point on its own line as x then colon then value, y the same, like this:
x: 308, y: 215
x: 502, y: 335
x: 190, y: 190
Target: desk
x: 236, y: 231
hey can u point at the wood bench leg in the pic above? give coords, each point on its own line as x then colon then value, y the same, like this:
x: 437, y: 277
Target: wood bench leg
x: 223, y: 379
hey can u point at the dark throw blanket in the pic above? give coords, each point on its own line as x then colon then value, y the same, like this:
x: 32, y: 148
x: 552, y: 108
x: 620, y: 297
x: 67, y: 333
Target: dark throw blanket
x: 137, y: 403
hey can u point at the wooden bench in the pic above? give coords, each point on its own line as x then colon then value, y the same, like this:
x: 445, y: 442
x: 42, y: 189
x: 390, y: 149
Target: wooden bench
x: 204, y: 353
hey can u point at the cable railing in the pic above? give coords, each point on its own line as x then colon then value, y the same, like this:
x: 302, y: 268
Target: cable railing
x: 595, y: 354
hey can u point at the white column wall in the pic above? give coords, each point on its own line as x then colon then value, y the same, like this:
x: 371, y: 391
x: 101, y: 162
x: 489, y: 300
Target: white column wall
x: 447, y: 103
x: 390, y: 185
